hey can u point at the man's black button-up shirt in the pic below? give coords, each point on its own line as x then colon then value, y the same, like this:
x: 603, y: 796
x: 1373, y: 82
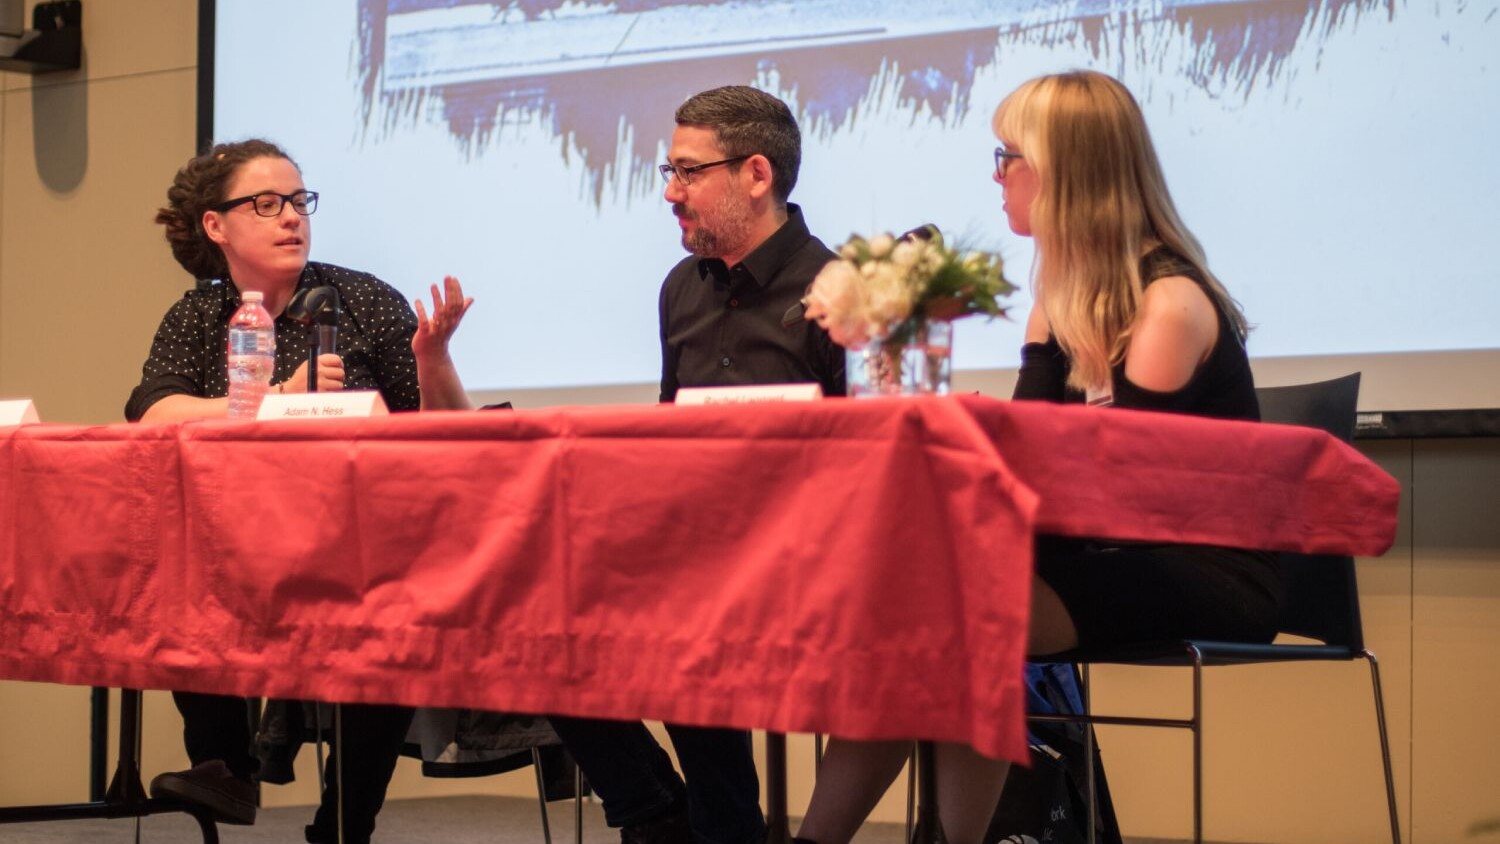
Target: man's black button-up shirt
x: 723, y: 326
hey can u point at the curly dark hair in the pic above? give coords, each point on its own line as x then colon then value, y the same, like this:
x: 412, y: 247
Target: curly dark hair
x: 197, y: 188
x: 748, y: 121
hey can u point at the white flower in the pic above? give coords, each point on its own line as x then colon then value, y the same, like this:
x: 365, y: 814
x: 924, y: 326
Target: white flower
x: 836, y: 302
x: 907, y: 253
x: 888, y: 298
x: 932, y: 261
x: 879, y: 283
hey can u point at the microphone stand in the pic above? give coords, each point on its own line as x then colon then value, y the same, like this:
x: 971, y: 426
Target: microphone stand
x: 312, y: 357
x: 318, y: 309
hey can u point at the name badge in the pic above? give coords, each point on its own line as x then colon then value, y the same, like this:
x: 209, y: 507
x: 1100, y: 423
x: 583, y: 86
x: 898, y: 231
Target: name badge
x: 357, y: 404
x: 749, y: 395
x: 17, y: 412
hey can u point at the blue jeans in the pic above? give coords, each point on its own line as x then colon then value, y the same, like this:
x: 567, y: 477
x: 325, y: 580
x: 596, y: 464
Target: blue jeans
x: 634, y: 778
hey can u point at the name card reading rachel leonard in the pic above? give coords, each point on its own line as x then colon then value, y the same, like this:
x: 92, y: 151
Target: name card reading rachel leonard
x: 17, y: 412
x: 749, y: 395
x: 355, y: 404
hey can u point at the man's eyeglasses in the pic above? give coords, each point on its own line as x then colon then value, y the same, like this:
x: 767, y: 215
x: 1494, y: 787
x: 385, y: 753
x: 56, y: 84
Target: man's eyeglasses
x: 269, y: 204
x: 1003, y: 158
x: 685, y: 174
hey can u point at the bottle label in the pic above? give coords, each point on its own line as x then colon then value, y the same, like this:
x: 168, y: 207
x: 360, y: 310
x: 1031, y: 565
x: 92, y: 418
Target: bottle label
x: 242, y: 342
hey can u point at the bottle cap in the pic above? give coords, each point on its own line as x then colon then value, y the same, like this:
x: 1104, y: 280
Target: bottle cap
x: 252, y: 296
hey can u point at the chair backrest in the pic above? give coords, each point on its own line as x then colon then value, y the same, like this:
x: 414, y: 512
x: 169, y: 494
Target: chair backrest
x: 1321, y: 596
x: 1326, y: 405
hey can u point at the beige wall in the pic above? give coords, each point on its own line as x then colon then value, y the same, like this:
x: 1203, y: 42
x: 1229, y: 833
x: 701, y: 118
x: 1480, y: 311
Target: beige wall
x: 85, y: 157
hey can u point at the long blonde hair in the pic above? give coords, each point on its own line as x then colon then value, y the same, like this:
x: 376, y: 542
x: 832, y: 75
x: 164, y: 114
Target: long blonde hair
x: 1102, y: 201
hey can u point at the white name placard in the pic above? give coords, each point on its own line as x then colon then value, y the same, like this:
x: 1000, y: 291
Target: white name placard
x: 749, y: 395
x: 356, y: 404
x: 16, y: 412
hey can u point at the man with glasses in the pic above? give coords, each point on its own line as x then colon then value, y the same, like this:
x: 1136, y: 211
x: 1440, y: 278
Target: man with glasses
x: 731, y: 314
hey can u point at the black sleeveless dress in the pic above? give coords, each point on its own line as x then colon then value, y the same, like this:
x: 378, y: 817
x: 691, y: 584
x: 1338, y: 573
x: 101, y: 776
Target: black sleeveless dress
x: 1119, y: 592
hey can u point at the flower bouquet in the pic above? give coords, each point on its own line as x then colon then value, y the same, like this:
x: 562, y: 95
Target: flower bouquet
x: 891, y: 302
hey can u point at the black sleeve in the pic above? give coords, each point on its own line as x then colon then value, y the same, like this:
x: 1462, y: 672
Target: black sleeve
x: 391, y: 359
x: 176, y: 363
x: 668, y: 355
x: 1044, y: 372
x: 1128, y: 395
x: 829, y: 361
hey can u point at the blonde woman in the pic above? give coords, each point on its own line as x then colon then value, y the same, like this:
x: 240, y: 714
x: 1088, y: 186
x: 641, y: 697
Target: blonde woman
x: 1127, y: 315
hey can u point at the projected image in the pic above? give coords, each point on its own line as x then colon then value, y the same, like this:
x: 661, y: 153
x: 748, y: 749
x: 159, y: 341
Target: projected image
x: 1330, y: 154
x: 597, y: 70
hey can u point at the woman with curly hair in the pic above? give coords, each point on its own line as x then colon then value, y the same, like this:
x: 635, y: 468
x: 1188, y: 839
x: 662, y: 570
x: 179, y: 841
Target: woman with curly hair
x: 238, y: 218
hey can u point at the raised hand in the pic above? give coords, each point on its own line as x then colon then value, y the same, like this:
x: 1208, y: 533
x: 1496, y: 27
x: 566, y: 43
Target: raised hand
x: 448, y: 308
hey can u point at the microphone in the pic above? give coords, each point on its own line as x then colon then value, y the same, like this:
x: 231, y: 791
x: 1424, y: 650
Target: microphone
x: 926, y: 231
x: 794, y: 315
x: 797, y: 313
x: 327, y: 319
x: 318, y: 309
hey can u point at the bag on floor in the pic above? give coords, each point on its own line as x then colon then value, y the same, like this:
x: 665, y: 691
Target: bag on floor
x: 1045, y: 802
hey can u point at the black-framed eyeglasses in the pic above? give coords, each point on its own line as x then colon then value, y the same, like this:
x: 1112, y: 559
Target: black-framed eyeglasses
x: 1003, y: 158
x: 685, y: 174
x: 269, y: 204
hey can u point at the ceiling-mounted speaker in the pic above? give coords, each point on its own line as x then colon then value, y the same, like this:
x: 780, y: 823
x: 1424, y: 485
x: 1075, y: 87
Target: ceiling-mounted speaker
x: 53, y: 42
x: 12, y: 18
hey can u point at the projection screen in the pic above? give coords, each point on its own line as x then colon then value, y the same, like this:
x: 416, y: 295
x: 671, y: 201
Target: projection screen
x: 1335, y: 157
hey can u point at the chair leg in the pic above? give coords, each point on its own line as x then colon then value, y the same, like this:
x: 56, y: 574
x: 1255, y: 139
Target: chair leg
x: 1088, y: 756
x: 911, y: 792
x: 778, y: 825
x: 541, y: 794
x: 577, y: 804
x: 928, y: 828
x: 1197, y: 728
x: 338, y: 763
x: 1385, y: 746
x: 318, y: 744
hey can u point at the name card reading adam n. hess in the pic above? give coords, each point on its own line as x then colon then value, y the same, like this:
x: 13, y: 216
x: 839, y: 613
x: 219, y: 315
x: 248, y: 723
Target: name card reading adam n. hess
x: 17, y: 412
x: 356, y: 404
x: 749, y: 395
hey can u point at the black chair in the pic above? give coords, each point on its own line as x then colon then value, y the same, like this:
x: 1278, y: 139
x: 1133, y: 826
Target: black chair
x: 1322, y: 603
x: 512, y: 762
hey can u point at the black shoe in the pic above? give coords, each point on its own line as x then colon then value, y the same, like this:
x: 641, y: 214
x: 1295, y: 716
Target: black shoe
x: 314, y: 834
x: 212, y: 786
x: 670, y: 828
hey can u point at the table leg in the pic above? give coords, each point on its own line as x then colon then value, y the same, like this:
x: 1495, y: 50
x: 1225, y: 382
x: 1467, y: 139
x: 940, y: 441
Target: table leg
x: 98, y: 742
x: 125, y: 797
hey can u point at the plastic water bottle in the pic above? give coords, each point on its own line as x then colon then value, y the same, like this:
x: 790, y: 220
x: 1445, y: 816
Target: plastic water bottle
x: 252, y: 355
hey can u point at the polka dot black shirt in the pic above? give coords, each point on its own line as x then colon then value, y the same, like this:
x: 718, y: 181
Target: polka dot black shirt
x: 190, y: 353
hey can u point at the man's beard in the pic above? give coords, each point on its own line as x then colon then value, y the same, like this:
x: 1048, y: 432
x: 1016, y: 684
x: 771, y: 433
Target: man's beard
x: 730, y: 227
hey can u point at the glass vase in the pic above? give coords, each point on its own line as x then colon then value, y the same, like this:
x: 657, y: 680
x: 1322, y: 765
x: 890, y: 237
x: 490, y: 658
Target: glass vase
x: 920, y: 365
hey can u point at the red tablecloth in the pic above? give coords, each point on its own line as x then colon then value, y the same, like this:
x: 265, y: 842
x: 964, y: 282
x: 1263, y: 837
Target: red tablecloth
x: 859, y: 568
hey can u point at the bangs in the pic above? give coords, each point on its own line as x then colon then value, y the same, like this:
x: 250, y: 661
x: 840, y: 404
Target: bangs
x: 1016, y: 115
